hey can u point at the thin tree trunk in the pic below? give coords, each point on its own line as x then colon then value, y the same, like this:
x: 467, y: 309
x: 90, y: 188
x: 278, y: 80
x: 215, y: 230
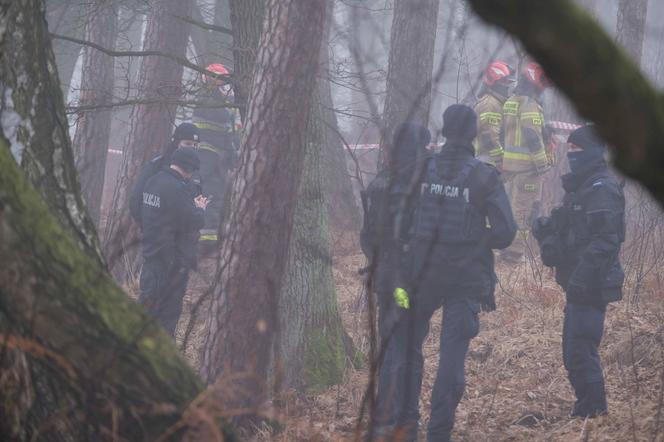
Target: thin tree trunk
x: 94, y: 127
x: 151, y: 127
x: 631, y: 26
x: 247, y: 18
x: 412, y: 42
x: 65, y: 18
x: 243, y: 328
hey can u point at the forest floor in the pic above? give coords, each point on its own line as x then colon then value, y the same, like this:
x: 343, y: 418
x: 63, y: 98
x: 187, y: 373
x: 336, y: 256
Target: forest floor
x: 517, y: 388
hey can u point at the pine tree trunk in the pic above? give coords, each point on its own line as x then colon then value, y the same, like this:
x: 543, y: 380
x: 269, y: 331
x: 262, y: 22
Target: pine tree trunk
x: 247, y: 18
x: 631, y: 26
x: 151, y: 127
x: 412, y: 42
x: 244, y: 320
x: 94, y: 127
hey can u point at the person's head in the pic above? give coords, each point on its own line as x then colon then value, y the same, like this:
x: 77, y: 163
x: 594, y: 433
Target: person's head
x: 459, y: 124
x: 185, y: 161
x: 585, y: 148
x: 498, y: 77
x: 533, y: 79
x: 409, y: 145
x: 212, y: 82
x: 186, y: 135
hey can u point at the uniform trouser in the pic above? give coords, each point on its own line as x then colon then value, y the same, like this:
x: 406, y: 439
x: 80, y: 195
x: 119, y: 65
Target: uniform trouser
x: 400, y: 376
x: 162, y: 289
x: 582, y: 334
x: 524, y: 190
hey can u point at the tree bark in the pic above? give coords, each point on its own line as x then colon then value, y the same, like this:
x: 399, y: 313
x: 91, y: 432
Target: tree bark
x: 151, y: 127
x: 598, y: 77
x: 244, y: 318
x: 94, y: 128
x: 34, y: 121
x: 247, y: 18
x: 631, y: 26
x: 410, y: 68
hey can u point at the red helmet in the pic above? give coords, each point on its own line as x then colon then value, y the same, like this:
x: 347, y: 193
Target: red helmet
x: 534, y: 73
x: 216, y: 68
x: 496, y: 71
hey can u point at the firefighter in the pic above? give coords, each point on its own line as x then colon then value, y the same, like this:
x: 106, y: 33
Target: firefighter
x: 171, y: 218
x: 582, y: 241
x: 219, y: 132
x: 448, y: 263
x: 525, y: 158
x: 496, y: 82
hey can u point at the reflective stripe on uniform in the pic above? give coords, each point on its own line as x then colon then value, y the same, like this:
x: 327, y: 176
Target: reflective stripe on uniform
x: 498, y: 151
x: 213, y: 127
x: 522, y: 153
x: 208, y: 237
x: 536, y: 118
x: 208, y: 147
x: 493, y: 118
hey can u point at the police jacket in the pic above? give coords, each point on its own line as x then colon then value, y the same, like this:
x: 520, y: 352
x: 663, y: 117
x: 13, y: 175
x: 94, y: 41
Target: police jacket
x: 171, y: 220
x: 462, y: 214
x: 589, y: 229
x: 488, y: 145
x: 218, y: 155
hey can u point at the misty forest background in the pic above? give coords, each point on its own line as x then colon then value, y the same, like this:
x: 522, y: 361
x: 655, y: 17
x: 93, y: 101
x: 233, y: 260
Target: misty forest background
x: 277, y: 340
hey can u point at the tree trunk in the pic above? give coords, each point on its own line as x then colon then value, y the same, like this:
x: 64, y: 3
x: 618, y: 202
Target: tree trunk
x: 34, y: 121
x: 151, y: 127
x: 79, y: 359
x: 601, y: 81
x: 242, y: 334
x: 412, y: 42
x: 312, y: 341
x: 631, y: 26
x: 94, y: 127
x: 247, y: 18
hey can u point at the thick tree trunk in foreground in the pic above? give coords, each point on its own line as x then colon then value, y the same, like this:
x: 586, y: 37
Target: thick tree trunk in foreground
x: 599, y: 78
x: 631, y: 26
x: 94, y: 127
x: 410, y: 66
x: 247, y: 18
x: 151, y: 127
x: 243, y: 328
x: 33, y: 117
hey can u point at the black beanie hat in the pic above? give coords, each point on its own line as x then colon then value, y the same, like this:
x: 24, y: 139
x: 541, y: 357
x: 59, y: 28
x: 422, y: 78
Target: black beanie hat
x: 459, y: 123
x: 586, y: 138
x: 186, y: 158
x: 186, y: 131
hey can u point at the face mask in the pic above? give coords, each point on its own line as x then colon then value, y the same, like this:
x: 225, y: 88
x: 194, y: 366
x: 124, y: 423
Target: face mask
x: 579, y: 160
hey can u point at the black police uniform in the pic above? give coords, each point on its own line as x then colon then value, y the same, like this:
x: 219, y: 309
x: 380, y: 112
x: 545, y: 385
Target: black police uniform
x: 170, y: 222
x: 582, y: 240
x: 218, y: 155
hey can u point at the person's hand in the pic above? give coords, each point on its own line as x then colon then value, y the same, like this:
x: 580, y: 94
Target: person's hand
x: 201, y: 202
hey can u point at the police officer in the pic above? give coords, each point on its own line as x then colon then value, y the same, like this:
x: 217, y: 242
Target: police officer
x: 582, y: 240
x: 185, y: 135
x: 525, y: 158
x: 171, y: 218
x: 461, y: 215
x: 219, y: 130
x: 389, y: 203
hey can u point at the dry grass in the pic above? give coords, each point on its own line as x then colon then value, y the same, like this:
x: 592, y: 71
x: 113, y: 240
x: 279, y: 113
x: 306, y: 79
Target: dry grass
x: 517, y: 388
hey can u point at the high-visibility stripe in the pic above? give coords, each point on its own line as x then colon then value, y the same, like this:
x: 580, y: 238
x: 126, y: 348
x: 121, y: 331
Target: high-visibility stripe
x: 208, y: 237
x: 208, y: 147
x: 213, y: 127
x: 536, y: 117
x: 498, y: 151
x: 508, y: 155
x: 493, y: 118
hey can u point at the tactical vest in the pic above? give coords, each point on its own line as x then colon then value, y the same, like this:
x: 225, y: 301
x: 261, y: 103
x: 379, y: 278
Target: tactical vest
x: 445, y: 214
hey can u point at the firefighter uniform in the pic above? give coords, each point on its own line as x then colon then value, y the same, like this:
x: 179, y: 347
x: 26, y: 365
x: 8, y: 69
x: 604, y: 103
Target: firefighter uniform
x: 218, y: 155
x: 488, y: 146
x: 524, y: 161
